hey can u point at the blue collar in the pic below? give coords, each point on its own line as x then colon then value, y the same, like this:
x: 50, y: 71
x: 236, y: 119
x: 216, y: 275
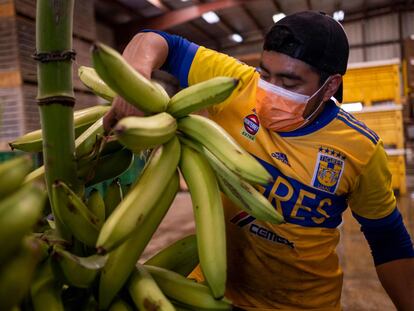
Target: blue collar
x: 326, y: 116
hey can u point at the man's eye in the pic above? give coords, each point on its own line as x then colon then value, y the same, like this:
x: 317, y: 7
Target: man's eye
x: 290, y: 86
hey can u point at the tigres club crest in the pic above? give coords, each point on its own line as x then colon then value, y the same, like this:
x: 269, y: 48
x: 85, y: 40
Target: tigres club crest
x: 328, y: 170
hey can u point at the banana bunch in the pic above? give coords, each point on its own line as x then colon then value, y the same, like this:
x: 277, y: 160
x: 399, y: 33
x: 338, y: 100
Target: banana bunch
x: 91, y: 262
x: 21, y: 207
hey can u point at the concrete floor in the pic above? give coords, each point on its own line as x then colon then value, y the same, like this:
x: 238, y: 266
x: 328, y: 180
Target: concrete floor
x: 362, y: 290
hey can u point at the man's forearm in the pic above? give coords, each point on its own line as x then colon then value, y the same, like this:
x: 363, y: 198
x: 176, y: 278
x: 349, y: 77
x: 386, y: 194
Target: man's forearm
x: 397, y: 278
x: 146, y: 51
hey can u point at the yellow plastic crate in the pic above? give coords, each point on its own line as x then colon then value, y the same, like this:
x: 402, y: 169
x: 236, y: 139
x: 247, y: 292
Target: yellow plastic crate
x: 370, y: 82
x: 386, y: 121
x: 396, y: 164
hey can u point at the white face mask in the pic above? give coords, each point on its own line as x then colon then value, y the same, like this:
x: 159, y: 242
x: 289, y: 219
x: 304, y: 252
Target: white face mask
x: 282, y: 110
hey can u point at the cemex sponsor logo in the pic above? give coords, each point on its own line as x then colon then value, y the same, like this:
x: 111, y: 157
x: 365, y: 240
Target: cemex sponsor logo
x: 243, y: 219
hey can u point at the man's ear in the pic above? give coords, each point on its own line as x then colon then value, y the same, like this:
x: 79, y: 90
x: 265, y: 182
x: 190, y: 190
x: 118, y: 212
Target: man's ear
x: 332, y: 87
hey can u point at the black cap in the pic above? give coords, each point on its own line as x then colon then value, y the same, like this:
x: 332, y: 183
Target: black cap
x: 313, y: 37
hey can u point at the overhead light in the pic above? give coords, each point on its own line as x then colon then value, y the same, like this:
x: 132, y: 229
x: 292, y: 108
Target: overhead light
x: 278, y: 16
x: 211, y: 17
x: 185, y: 0
x: 339, y: 15
x: 351, y: 107
x: 236, y: 38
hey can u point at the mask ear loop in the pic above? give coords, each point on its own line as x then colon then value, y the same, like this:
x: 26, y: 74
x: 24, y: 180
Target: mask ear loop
x: 317, y: 109
x: 320, y: 104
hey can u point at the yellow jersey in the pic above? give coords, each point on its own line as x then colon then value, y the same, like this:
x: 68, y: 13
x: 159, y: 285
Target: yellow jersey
x: 318, y: 170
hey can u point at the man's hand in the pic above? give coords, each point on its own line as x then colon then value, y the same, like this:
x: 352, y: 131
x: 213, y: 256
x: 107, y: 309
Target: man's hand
x: 120, y: 109
x: 145, y: 52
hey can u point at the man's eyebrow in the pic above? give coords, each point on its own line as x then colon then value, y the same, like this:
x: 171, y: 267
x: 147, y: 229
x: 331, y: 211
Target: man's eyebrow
x: 286, y: 74
x: 289, y: 75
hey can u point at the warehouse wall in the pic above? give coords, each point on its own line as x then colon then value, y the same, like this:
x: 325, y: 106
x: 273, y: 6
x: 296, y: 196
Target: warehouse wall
x: 381, y: 35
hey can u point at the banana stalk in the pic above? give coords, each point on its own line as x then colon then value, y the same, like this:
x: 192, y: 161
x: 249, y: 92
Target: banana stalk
x: 55, y: 93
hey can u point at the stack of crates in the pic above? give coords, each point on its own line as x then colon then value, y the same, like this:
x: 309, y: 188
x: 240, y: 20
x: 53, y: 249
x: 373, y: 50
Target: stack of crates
x: 378, y: 86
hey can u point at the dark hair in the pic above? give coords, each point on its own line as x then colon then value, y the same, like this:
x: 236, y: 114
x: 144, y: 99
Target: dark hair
x: 282, y: 38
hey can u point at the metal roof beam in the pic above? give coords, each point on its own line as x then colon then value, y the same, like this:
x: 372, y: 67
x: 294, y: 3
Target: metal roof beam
x: 177, y: 17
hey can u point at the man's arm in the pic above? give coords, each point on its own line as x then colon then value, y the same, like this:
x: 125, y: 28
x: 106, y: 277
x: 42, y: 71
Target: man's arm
x: 397, y: 278
x: 146, y: 52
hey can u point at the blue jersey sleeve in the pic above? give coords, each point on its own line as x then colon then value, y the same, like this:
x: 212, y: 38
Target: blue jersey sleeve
x: 181, y: 53
x: 387, y: 237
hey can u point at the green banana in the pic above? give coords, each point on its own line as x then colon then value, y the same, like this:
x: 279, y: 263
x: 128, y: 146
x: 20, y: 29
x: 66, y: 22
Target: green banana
x: 92, y: 81
x: 183, y: 290
x: 82, y: 119
x: 96, y: 205
x: 113, y: 196
x: 201, y: 95
x: 241, y: 193
x: 87, y: 141
x: 122, y: 260
x: 12, y: 174
x: 224, y: 147
x: 76, y: 216
x: 145, y: 292
x: 45, y: 291
x: 208, y: 216
x: 88, y: 146
x: 126, y: 81
x: 16, y: 274
x: 74, y: 270
x: 120, y: 305
x: 146, y: 191
x: 139, y: 133
x: 180, y: 257
x: 106, y: 167
x: 19, y: 212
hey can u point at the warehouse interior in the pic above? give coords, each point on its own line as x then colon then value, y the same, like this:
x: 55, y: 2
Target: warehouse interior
x: 378, y: 88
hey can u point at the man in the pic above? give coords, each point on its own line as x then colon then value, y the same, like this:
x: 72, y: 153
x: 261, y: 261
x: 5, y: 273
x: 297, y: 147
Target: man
x: 322, y: 160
